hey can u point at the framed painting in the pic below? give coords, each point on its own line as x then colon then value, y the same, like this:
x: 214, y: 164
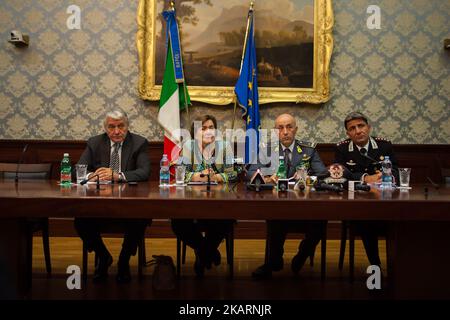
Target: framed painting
x: 293, y: 38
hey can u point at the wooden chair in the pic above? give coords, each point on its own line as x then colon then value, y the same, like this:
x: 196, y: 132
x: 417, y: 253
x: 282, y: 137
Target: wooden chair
x: 229, y: 243
x: 445, y: 174
x: 25, y: 171
x: 115, y: 228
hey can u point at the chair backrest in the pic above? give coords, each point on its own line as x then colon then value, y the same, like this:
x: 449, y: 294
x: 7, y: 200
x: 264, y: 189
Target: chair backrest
x: 445, y: 173
x: 38, y: 171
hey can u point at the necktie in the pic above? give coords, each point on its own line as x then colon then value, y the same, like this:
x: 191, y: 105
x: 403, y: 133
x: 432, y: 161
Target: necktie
x: 287, y: 160
x: 114, y: 162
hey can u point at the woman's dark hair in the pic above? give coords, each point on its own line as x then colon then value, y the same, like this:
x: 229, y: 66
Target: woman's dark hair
x: 203, y: 119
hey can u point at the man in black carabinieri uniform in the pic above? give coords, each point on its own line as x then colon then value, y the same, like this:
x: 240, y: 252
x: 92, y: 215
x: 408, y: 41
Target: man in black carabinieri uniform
x: 361, y: 156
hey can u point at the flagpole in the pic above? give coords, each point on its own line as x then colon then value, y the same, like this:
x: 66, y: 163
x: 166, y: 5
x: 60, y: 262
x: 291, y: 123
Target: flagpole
x: 234, y: 112
x: 186, y: 105
x: 246, y: 36
x: 252, y: 3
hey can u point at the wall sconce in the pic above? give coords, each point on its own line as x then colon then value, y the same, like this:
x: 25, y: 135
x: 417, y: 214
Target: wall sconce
x: 447, y: 44
x: 18, y: 39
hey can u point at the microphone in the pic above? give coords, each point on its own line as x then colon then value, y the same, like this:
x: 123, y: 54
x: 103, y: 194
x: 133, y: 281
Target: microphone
x: 208, y: 184
x: 16, y: 178
x: 363, y: 152
x: 322, y: 186
x: 83, y: 182
x: 358, y: 186
x: 434, y: 184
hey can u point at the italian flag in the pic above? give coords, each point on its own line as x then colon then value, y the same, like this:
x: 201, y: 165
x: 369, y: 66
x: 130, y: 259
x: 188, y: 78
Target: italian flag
x: 171, y: 103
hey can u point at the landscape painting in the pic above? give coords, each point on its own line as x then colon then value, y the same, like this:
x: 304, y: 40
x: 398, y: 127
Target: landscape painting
x: 212, y: 36
x: 213, y: 33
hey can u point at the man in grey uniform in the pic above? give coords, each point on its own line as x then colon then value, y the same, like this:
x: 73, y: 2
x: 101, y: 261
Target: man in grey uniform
x: 295, y: 154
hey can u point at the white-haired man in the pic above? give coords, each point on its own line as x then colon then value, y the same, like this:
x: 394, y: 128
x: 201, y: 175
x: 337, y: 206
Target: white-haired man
x: 121, y: 156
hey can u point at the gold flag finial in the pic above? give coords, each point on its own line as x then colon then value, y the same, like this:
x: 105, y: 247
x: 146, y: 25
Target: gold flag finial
x: 172, y: 5
x: 252, y: 4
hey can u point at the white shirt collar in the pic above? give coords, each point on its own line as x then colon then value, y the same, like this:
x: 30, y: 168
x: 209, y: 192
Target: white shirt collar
x: 291, y: 147
x: 365, y: 147
x: 112, y: 144
x: 371, y: 141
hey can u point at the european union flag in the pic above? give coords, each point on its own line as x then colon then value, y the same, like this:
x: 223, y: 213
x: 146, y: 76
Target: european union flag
x: 247, y: 93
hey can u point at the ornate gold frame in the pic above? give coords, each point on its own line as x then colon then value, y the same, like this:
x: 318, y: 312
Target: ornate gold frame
x: 323, y: 47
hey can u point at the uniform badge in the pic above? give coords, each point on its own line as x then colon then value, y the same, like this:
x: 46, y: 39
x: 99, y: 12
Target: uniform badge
x: 381, y: 158
x: 299, y: 150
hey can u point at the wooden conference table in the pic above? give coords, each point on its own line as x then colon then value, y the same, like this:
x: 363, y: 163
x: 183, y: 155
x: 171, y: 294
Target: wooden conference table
x: 419, y: 221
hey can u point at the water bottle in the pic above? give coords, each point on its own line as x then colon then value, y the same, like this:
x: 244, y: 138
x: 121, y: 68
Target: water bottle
x: 66, y: 171
x: 281, y: 173
x: 386, y: 175
x: 164, y: 172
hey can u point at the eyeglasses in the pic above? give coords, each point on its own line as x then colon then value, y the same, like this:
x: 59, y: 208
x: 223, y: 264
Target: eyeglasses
x: 111, y: 127
x: 208, y: 128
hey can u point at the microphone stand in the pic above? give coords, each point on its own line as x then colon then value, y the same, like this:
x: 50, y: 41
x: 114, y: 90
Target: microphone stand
x: 90, y: 178
x: 208, y: 183
x: 208, y: 186
x: 16, y: 178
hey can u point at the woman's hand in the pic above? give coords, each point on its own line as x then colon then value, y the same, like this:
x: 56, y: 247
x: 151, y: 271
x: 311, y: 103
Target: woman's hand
x: 197, y: 177
x: 218, y: 178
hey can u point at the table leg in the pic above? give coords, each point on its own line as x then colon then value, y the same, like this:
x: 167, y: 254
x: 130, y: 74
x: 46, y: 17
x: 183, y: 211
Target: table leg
x: 419, y: 259
x: 14, y: 264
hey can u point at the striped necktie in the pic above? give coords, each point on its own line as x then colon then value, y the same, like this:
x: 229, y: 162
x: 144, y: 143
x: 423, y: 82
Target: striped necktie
x: 114, y: 162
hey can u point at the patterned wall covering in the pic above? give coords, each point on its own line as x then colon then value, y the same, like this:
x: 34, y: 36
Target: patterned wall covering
x: 62, y: 85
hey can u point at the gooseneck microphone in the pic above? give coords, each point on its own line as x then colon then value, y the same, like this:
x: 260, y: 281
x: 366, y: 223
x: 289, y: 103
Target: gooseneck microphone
x: 363, y: 152
x: 83, y: 182
x: 16, y: 178
x: 208, y: 175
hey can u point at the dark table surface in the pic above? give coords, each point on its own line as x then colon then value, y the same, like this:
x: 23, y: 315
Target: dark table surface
x: 147, y: 200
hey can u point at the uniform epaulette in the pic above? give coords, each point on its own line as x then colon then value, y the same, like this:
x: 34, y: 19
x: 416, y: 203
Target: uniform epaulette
x: 346, y: 141
x: 381, y: 139
x: 307, y: 144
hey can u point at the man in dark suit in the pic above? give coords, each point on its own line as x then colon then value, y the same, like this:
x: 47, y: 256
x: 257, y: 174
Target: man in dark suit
x: 295, y: 154
x: 118, y: 156
x: 361, y: 155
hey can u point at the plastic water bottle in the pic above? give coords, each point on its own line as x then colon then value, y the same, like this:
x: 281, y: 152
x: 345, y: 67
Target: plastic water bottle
x: 66, y: 171
x: 281, y: 173
x: 386, y: 175
x: 164, y: 172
